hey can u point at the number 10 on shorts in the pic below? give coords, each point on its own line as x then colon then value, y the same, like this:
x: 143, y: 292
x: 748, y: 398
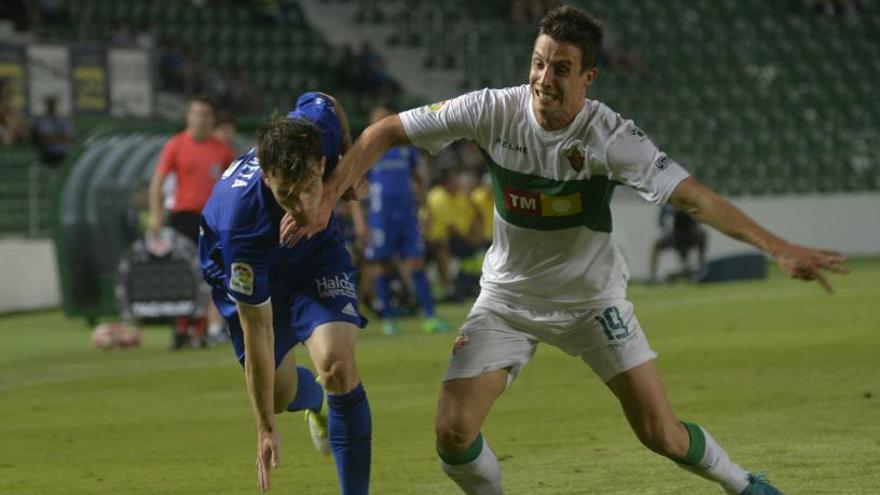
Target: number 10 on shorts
x: 612, y: 324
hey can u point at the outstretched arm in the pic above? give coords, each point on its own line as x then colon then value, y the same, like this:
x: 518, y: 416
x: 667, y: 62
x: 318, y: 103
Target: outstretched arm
x: 259, y: 369
x: 800, y: 262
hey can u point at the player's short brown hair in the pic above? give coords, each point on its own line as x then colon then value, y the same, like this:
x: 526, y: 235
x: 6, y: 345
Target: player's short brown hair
x: 569, y: 24
x: 287, y: 148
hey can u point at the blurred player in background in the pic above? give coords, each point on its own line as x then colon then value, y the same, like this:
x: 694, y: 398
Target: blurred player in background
x: 453, y: 228
x: 394, y: 234
x: 481, y: 197
x: 275, y: 297
x: 226, y: 130
x: 197, y: 159
x: 682, y: 233
x: 552, y: 274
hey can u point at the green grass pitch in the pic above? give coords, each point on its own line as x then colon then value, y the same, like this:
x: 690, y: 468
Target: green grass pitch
x: 785, y: 377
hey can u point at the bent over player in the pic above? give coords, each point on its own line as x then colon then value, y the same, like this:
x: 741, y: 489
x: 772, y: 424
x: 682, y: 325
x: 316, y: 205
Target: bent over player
x: 552, y: 274
x: 275, y: 297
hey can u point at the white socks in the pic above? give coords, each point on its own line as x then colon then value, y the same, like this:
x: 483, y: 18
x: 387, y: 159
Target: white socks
x: 707, y: 459
x: 476, y: 470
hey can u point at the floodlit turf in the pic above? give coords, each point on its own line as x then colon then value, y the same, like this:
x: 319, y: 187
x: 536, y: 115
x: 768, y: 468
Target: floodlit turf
x: 787, y: 378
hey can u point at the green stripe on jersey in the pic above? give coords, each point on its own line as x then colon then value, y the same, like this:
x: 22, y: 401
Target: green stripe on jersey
x: 536, y: 202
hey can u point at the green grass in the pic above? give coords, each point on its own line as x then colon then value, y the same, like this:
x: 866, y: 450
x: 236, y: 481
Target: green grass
x: 785, y: 377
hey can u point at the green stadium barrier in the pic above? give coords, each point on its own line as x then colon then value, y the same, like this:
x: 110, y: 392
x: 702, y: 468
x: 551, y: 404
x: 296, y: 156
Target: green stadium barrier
x: 89, y: 211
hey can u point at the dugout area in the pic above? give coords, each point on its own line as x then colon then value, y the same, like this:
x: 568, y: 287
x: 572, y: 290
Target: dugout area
x: 89, y: 213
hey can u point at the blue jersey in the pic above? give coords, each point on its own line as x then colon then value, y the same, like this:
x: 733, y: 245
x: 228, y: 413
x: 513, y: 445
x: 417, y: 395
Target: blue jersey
x: 239, y: 245
x: 390, y: 180
x: 394, y: 225
x: 310, y: 284
x: 242, y: 260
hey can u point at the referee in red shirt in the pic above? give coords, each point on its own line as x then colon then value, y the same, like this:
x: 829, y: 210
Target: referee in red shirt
x: 197, y: 159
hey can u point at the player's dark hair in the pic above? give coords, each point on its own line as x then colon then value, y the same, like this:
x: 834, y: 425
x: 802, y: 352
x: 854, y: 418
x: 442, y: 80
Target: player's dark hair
x: 287, y: 147
x: 569, y: 24
x: 204, y: 100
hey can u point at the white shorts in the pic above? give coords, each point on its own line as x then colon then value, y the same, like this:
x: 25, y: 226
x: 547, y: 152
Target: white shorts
x: 498, y: 335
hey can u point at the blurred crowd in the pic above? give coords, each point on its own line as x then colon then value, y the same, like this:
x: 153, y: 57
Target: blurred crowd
x: 525, y: 12
x: 13, y: 124
x: 51, y: 133
x: 33, y: 15
x: 845, y: 9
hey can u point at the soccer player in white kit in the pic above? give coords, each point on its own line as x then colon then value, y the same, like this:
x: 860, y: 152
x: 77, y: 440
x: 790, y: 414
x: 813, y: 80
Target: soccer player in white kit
x: 552, y: 274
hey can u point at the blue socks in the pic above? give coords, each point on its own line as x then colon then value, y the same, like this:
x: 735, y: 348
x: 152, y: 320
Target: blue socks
x: 383, y: 292
x: 350, y: 432
x: 423, y: 293
x: 421, y: 287
x: 309, y: 395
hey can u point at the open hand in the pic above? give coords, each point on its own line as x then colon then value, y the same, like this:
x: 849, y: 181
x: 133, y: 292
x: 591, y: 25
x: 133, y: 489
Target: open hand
x: 268, y: 457
x: 806, y: 263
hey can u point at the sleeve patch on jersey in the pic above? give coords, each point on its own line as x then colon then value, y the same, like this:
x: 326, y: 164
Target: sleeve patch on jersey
x: 662, y: 161
x: 242, y: 279
x: 433, y: 107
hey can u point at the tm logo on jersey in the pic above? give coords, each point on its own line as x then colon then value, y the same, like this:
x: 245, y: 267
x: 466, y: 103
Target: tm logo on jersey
x: 336, y: 287
x: 541, y: 205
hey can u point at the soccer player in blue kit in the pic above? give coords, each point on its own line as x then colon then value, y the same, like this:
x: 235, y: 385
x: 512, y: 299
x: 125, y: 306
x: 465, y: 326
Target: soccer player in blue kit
x: 394, y: 230
x: 274, y: 297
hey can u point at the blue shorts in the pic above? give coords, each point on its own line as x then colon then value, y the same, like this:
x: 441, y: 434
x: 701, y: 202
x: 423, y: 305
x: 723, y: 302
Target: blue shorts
x: 394, y: 234
x: 327, y: 294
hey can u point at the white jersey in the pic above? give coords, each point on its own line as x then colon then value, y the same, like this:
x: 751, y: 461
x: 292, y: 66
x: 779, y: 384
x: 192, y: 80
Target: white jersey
x: 552, y: 190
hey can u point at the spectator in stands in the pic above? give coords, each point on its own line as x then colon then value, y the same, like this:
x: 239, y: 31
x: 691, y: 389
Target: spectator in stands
x: 519, y: 12
x: 848, y: 9
x: 12, y: 125
x: 173, y: 67
x: 239, y: 96
x: 19, y: 12
x: 143, y: 37
x: 530, y: 11
x: 616, y: 57
x: 372, y: 66
x: 682, y: 233
x: 122, y: 36
x: 53, y: 134
x: 197, y: 159
x: 281, y: 12
x: 52, y: 12
x: 348, y: 74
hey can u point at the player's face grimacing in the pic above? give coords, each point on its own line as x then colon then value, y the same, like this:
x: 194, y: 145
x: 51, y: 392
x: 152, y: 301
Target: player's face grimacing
x: 299, y: 198
x: 557, y: 80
